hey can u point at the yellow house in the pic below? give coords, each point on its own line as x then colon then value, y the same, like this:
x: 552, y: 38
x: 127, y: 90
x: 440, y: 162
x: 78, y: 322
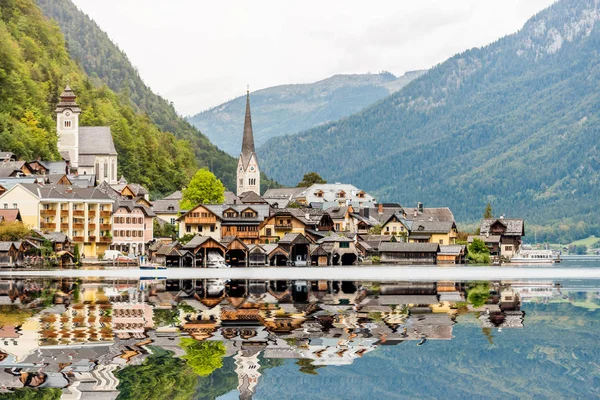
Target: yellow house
x: 440, y: 232
x: 200, y: 220
x: 396, y: 225
x: 83, y: 214
x: 274, y: 228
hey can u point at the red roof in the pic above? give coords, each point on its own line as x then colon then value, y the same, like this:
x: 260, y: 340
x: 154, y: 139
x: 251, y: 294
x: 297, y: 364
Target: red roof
x: 10, y: 215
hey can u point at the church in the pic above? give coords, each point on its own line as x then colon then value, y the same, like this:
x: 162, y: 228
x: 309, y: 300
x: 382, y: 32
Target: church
x: 88, y: 150
x: 248, y: 173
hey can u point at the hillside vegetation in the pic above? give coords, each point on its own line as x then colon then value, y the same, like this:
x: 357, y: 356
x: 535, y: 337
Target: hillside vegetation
x: 514, y: 123
x: 34, y: 67
x: 288, y: 109
x: 106, y: 64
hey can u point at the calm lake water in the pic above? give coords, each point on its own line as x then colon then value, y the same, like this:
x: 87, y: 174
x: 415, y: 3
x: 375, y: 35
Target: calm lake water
x: 101, y: 338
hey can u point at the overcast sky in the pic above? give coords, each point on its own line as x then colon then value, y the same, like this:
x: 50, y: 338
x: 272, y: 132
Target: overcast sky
x: 199, y: 54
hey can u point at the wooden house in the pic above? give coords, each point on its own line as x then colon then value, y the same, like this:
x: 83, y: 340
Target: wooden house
x: 408, y: 253
x: 454, y: 254
x: 511, y: 232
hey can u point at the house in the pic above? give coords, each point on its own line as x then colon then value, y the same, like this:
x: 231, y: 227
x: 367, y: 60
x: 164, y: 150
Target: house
x: 8, y: 254
x: 334, y: 194
x: 342, y: 218
x: 203, y: 248
x: 7, y: 156
x: 282, y: 197
x: 84, y: 215
x: 396, y: 225
x: 88, y: 150
x: 276, y: 255
x: 510, y: 231
x: 10, y: 215
x: 167, y: 209
x: 59, y: 241
x: 318, y: 255
x: 38, y: 167
x: 421, y: 213
x: 298, y: 248
x: 257, y: 255
x: 14, y: 169
x: 452, y: 254
x: 293, y: 220
x: 340, y: 249
x: 441, y: 232
x: 408, y: 253
x: 237, y: 253
x: 200, y: 220
x: 241, y: 220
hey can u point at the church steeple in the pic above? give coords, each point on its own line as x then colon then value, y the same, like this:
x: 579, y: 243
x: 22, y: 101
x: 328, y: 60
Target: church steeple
x: 248, y: 138
x: 248, y: 173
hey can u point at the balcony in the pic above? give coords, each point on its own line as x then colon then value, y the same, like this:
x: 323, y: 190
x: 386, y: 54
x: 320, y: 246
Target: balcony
x: 201, y: 220
x: 64, y: 225
x: 79, y: 213
x: 105, y: 227
x: 106, y: 239
x: 77, y: 226
x: 253, y: 235
x: 105, y: 213
x: 47, y: 213
x: 64, y: 213
x: 92, y: 214
x: 78, y: 239
x: 92, y: 227
x: 47, y: 225
x: 283, y: 227
x: 91, y: 238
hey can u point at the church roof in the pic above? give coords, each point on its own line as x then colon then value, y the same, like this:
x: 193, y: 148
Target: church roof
x: 96, y: 140
x: 248, y: 140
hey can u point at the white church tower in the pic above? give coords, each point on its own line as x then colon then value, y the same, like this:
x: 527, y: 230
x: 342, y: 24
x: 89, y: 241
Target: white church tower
x: 67, y: 127
x: 248, y: 173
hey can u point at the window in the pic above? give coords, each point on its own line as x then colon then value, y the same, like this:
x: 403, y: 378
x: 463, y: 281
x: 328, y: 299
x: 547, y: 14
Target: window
x: 252, y: 181
x: 344, y: 245
x: 128, y: 220
x: 269, y: 232
x: 15, y: 205
x: 171, y: 208
x: 6, y: 206
x: 172, y: 221
x: 212, y: 228
x: 441, y: 241
x: 188, y: 228
x: 241, y: 183
x: 67, y: 124
x: 337, y: 227
x: 199, y: 228
x: 508, y: 248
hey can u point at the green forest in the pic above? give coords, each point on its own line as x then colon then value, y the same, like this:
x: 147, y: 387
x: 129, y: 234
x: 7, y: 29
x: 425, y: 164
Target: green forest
x: 514, y: 123
x: 106, y: 64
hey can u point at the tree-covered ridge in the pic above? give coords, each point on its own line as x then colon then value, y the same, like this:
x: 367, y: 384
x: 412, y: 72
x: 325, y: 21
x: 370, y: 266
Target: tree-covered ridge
x: 514, y: 123
x: 34, y: 67
x: 106, y: 64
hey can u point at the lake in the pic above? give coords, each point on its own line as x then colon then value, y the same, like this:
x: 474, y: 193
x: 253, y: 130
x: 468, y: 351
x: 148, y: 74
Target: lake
x: 347, y: 338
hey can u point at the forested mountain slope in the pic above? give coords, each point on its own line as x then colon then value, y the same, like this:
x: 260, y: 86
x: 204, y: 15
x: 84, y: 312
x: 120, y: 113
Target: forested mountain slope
x: 515, y: 123
x: 287, y: 109
x: 34, y: 67
x: 105, y: 63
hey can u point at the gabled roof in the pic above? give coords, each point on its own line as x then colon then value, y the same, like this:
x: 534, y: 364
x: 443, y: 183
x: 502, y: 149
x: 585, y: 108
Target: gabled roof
x: 514, y: 227
x: 437, y: 214
x: 432, y: 227
x: 64, y: 192
x: 453, y: 250
x: 54, y: 237
x: 7, y: 246
x: 293, y: 238
x: 335, y: 239
x: 485, y: 239
x: 251, y: 198
x: 10, y: 215
x: 96, y: 140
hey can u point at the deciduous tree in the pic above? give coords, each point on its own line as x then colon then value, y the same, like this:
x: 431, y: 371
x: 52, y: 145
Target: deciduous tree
x: 204, y: 188
x: 310, y: 179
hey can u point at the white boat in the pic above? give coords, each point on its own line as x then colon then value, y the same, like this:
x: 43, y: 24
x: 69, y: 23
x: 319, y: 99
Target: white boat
x: 536, y: 257
x: 216, y: 260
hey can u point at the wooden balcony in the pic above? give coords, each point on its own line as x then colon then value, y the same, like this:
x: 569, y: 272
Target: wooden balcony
x: 48, y: 225
x: 78, y: 239
x: 64, y: 213
x: 106, y: 239
x: 91, y: 238
x: 105, y: 213
x: 246, y: 235
x: 283, y: 227
x: 92, y: 227
x: 47, y: 213
x: 64, y: 225
x: 91, y: 213
x: 78, y: 226
x: 79, y: 213
x: 105, y: 227
x: 201, y: 220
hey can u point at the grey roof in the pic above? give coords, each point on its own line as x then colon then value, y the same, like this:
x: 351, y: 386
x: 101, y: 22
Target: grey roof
x: 514, y: 227
x: 84, y: 181
x: 136, y: 188
x: 408, y: 299
x: 399, y: 247
x: 87, y: 160
x: 283, y: 193
x: 6, y: 155
x: 250, y: 197
x: 56, y: 167
x: 262, y: 211
x: 337, y: 212
x: 8, y: 168
x: 5, y: 246
x: 231, y: 198
x: 386, y: 213
x: 308, y: 216
x: 335, y: 239
x: 176, y: 195
x: 196, y: 241
x: 290, y: 238
x: 96, y: 140
x: 64, y: 192
x: 432, y: 226
x: 8, y: 183
x: 330, y: 193
x: 121, y: 201
x: 163, y: 206
x: 453, y: 250
x: 437, y: 214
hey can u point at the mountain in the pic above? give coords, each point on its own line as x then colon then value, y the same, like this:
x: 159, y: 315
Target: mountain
x: 515, y: 123
x: 34, y: 68
x: 288, y: 109
x: 106, y: 64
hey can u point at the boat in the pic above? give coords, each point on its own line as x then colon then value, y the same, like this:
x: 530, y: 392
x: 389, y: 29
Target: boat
x: 216, y: 260
x: 536, y: 257
x: 152, y: 267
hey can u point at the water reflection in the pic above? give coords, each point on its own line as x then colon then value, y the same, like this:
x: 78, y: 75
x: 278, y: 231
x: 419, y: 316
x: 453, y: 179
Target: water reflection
x: 87, y: 337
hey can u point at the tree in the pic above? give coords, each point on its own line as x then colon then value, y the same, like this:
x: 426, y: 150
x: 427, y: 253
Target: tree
x: 376, y: 230
x: 13, y: 231
x: 488, y: 211
x: 479, y: 252
x: 307, y: 367
x: 310, y: 179
x: 203, y: 357
x: 76, y: 254
x: 33, y: 394
x: 204, y: 188
x: 160, y: 376
x: 478, y: 293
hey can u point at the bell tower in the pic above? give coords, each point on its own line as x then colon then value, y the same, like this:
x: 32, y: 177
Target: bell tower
x: 67, y: 127
x: 248, y: 173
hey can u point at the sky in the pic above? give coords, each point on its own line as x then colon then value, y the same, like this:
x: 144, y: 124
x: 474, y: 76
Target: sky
x: 199, y: 54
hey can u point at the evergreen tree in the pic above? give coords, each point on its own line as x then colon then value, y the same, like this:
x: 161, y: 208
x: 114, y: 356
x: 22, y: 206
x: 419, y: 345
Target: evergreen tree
x: 310, y: 179
x: 488, y: 211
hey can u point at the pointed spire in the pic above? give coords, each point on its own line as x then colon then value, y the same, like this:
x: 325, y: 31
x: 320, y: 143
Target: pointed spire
x: 248, y: 139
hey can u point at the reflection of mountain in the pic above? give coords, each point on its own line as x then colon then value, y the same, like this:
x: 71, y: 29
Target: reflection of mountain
x: 363, y: 337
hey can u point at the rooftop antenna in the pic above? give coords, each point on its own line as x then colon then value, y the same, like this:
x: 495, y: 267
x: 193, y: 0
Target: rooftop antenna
x: 248, y: 88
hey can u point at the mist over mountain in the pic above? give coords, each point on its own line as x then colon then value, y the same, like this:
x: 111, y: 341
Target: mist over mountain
x: 289, y: 109
x: 514, y: 123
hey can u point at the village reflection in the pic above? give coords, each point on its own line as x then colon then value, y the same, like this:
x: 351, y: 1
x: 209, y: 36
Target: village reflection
x: 76, y: 335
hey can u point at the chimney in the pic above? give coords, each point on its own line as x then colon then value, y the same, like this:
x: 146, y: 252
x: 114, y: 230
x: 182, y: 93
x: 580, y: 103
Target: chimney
x: 69, y: 190
x: 416, y: 213
x: 380, y: 208
x: 420, y: 207
x: 501, y: 216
